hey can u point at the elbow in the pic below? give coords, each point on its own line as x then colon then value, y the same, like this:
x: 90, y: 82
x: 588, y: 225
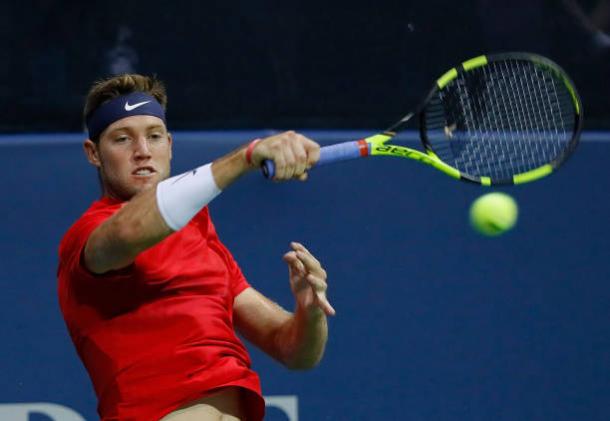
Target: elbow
x: 301, y: 367
x: 303, y: 364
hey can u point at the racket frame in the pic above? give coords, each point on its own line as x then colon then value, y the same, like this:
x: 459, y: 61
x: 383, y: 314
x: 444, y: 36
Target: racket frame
x: 377, y: 144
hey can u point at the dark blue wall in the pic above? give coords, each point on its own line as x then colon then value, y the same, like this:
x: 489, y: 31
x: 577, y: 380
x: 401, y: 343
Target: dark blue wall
x: 433, y: 321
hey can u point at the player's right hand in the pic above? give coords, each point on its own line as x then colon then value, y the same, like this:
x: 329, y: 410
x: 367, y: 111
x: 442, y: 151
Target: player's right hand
x: 292, y: 153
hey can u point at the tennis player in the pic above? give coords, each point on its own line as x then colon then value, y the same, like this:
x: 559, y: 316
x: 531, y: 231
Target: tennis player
x: 151, y: 297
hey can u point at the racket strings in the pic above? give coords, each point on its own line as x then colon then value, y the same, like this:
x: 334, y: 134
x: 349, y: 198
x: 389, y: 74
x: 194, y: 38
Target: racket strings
x: 510, y: 133
x: 502, y: 119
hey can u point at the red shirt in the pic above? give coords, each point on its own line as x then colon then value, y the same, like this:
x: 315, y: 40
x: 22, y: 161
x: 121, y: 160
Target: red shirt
x: 159, y: 333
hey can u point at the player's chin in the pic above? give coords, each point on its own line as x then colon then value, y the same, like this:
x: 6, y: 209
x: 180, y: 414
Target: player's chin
x: 140, y: 184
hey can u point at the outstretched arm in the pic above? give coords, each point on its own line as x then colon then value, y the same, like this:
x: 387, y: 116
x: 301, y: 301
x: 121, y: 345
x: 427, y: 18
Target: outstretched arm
x: 150, y: 217
x: 296, y: 339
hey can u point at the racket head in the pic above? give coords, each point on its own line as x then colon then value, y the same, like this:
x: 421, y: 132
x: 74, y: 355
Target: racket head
x: 502, y: 119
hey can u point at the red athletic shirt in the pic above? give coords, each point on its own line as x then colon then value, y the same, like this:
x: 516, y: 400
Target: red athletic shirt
x: 159, y: 333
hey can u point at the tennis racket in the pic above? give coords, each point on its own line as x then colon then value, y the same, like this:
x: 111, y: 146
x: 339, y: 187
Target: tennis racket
x: 498, y: 119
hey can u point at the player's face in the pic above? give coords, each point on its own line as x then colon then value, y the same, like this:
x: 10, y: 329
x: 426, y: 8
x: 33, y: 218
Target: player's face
x: 133, y: 155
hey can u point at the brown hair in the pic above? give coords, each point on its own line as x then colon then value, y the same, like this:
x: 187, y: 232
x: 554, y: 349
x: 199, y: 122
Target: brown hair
x: 105, y: 90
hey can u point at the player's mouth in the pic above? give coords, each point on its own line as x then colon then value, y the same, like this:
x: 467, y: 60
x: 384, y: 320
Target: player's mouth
x: 144, y: 172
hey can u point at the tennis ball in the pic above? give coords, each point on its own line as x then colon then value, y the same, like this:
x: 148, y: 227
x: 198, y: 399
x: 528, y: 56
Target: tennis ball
x: 493, y: 214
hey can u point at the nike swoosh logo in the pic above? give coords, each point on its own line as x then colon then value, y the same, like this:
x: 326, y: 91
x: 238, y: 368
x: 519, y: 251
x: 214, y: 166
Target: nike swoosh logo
x: 134, y: 106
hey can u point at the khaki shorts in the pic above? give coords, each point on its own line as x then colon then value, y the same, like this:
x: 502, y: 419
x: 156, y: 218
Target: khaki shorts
x: 225, y: 405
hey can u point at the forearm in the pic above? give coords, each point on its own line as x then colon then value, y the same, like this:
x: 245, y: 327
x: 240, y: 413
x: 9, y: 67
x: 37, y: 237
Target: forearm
x: 301, y: 339
x: 228, y: 168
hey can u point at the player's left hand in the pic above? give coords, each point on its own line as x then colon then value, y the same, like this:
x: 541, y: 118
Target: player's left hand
x: 307, y: 279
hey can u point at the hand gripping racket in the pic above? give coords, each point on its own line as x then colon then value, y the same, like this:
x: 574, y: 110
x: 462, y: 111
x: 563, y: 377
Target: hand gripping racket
x: 497, y: 119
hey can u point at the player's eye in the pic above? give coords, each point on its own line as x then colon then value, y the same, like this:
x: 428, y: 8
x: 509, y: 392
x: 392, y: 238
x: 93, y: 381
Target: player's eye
x: 121, y: 139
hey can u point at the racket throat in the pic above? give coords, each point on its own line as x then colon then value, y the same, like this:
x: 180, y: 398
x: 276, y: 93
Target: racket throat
x: 400, y: 123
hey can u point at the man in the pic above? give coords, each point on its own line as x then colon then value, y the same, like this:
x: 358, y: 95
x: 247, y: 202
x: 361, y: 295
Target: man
x: 151, y: 296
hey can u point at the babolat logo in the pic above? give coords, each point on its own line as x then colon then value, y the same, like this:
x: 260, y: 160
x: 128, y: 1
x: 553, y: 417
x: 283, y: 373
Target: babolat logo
x: 395, y: 150
x: 406, y: 152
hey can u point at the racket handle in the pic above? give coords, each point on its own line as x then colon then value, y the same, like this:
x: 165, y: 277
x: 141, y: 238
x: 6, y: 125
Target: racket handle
x: 328, y: 154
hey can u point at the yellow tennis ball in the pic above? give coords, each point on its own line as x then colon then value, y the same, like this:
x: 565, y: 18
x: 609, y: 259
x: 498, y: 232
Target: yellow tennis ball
x: 493, y: 214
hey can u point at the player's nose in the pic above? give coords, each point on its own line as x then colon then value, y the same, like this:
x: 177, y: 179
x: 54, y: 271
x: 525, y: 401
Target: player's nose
x: 141, y: 148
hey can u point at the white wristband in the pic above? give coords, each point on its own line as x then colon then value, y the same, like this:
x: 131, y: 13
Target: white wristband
x: 181, y: 197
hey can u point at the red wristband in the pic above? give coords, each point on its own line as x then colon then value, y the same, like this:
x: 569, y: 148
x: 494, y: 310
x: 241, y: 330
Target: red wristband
x: 250, y: 149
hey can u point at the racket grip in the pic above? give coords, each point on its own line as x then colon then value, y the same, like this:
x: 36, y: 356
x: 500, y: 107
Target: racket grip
x: 328, y: 154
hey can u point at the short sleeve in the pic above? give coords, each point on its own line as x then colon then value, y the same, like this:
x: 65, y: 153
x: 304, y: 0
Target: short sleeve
x: 71, y: 265
x: 73, y: 244
x: 238, y: 280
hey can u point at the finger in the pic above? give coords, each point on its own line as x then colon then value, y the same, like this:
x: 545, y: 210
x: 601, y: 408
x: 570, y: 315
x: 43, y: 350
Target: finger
x: 303, y: 177
x: 280, y: 166
x: 311, y: 263
x: 290, y: 261
x: 313, y: 152
x: 300, y: 247
x: 317, y: 283
x: 290, y: 256
x: 319, y: 287
x: 326, y: 307
x: 294, y: 263
x: 296, y: 246
x: 289, y: 162
x: 300, y: 157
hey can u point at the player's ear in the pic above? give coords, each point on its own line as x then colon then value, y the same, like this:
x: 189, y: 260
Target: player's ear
x: 92, y: 152
x: 171, y: 144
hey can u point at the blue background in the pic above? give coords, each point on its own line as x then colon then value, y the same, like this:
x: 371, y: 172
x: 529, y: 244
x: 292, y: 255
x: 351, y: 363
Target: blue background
x: 434, y: 322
